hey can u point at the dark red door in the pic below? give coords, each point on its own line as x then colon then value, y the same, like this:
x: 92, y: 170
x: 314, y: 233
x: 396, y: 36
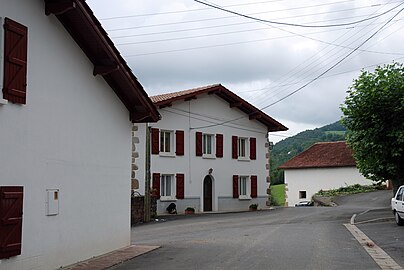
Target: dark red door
x: 207, y: 194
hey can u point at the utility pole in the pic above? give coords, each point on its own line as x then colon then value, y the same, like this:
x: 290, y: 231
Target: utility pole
x: 147, y: 177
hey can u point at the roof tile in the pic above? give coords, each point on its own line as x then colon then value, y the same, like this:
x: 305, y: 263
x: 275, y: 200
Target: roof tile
x: 321, y: 155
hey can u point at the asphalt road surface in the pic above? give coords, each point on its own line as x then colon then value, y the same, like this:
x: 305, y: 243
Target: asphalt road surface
x: 285, y: 238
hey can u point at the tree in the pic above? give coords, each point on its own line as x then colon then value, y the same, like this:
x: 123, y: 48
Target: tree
x: 374, y: 116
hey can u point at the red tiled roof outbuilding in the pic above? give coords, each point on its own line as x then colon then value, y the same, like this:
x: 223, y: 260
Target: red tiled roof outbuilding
x: 322, y: 155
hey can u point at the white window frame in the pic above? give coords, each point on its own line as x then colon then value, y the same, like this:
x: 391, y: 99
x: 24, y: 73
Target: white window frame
x: 212, y: 145
x: 163, y: 187
x: 300, y: 193
x: 2, y: 100
x: 162, y: 145
x: 247, y: 180
x: 246, y: 148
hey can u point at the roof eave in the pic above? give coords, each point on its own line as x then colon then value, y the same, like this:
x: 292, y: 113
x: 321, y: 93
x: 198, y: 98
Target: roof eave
x: 221, y: 91
x: 78, y: 19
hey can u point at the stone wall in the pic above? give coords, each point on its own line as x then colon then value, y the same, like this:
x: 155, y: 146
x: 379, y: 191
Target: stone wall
x: 137, y: 209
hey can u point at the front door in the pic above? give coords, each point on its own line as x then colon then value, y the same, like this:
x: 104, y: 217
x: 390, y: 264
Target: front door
x: 207, y: 194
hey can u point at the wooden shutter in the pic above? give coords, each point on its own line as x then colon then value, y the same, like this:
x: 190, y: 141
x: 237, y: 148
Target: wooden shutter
x: 235, y: 186
x: 179, y: 142
x: 180, y: 186
x: 253, y: 186
x: 15, y: 61
x: 155, y: 139
x: 219, y: 145
x: 253, y: 148
x: 11, y: 203
x: 156, y: 185
x: 234, y: 141
x: 198, y: 144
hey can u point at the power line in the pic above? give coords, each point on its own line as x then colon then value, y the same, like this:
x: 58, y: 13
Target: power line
x: 295, y: 24
x: 251, y: 41
x: 324, y: 77
x: 183, y: 11
x: 233, y: 24
x: 304, y: 62
x: 318, y: 76
x: 333, y: 66
x: 228, y: 17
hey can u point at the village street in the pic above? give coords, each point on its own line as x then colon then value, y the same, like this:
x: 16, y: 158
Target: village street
x: 285, y: 238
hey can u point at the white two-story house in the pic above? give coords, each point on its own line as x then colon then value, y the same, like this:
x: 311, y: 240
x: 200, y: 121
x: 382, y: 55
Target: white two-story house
x: 67, y: 103
x: 209, y: 151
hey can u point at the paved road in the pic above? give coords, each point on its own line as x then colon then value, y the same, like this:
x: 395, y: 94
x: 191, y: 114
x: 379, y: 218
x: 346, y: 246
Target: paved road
x: 286, y: 238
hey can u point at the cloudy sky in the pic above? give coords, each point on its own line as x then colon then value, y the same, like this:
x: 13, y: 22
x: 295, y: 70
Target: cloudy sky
x: 180, y: 44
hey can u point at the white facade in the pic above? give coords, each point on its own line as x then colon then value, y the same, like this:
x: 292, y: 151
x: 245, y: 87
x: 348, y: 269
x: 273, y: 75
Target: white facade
x: 311, y: 180
x: 205, y: 110
x: 73, y: 135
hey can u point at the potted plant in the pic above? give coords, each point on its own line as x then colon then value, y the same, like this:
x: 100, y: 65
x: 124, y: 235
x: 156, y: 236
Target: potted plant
x: 189, y: 211
x: 253, y: 207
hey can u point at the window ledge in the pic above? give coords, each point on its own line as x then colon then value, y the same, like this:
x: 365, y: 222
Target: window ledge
x: 3, y: 101
x: 244, y: 198
x: 209, y: 156
x: 166, y: 154
x: 167, y: 199
x: 243, y: 159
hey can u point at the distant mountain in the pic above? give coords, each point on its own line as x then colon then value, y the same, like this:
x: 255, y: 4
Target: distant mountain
x: 292, y: 146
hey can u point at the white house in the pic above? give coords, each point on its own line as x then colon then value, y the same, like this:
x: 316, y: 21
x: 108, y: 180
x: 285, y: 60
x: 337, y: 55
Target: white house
x: 209, y: 151
x: 68, y: 99
x: 323, y: 166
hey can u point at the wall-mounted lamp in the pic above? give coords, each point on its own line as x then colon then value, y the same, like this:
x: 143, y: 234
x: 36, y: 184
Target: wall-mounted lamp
x: 210, y: 171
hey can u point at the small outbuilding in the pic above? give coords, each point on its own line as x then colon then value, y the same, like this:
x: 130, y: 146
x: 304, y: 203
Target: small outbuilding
x: 323, y: 166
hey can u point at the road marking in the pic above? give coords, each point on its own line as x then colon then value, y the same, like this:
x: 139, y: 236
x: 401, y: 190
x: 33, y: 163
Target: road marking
x: 378, y: 254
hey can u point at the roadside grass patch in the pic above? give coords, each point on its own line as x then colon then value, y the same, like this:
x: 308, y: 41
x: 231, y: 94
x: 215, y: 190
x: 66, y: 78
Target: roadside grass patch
x: 278, y: 195
x: 353, y: 189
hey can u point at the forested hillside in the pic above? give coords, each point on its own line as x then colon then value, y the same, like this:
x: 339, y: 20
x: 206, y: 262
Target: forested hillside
x: 290, y: 147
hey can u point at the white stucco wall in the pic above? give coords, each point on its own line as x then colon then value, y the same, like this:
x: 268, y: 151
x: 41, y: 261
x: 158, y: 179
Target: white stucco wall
x: 314, y: 179
x: 73, y: 135
x: 196, y: 168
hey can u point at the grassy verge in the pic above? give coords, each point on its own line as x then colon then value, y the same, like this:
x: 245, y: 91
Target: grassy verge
x: 354, y: 189
x: 278, y: 195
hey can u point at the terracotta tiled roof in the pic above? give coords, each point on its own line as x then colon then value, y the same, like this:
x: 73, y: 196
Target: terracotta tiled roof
x: 321, y: 155
x: 253, y: 113
x: 79, y: 20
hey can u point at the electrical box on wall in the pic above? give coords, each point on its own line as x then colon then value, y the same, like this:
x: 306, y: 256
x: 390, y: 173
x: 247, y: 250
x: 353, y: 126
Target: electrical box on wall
x: 52, y: 202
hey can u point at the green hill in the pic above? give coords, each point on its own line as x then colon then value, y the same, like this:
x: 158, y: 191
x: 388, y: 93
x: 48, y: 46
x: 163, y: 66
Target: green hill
x: 292, y: 146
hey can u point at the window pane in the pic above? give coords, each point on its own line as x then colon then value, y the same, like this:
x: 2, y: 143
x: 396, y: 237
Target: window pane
x: 241, y: 147
x: 243, y: 185
x: 163, y: 186
x: 167, y: 141
x: 161, y: 141
x: 204, y: 143
x: 168, y: 185
x: 209, y: 144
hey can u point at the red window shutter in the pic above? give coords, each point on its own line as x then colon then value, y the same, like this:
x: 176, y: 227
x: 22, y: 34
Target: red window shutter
x: 253, y: 148
x: 155, y: 139
x: 235, y: 186
x: 179, y: 142
x: 15, y: 61
x: 198, y: 144
x: 11, y: 202
x: 156, y: 185
x: 234, y: 141
x: 219, y: 145
x: 180, y: 186
x: 253, y: 186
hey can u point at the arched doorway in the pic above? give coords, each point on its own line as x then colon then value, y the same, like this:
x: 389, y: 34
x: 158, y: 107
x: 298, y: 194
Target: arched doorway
x: 207, y: 193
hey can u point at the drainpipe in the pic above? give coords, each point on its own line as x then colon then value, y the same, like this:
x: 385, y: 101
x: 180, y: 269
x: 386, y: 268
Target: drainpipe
x: 268, y: 144
x: 147, y: 177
